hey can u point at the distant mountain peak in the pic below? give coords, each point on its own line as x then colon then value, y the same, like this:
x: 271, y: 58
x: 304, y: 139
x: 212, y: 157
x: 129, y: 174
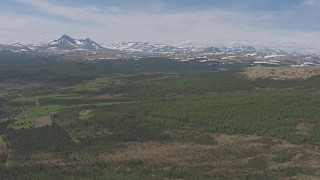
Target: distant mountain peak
x: 64, y: 36
x: 65, y: 42
x: 64, y: 39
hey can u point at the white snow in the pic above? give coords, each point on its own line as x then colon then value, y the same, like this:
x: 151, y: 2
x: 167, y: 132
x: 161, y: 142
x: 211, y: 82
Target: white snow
x: 273, y: 56
x: 54, y: 42
x: 253, y: 54
x: 78, y: 42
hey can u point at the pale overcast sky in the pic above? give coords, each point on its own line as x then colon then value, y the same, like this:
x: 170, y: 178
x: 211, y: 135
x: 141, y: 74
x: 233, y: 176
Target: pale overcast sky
x: 272, y: 22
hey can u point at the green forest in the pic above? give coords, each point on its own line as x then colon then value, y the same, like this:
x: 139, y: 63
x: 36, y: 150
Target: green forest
x: 153, y: 118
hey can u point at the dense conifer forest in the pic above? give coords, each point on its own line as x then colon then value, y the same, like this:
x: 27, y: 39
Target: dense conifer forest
x: 154, y: 118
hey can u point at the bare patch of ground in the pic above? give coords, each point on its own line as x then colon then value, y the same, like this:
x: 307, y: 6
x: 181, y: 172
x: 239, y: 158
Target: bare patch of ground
x: 304, y: 128
x: 237, y: 138
x: 281, y: 73
x: 42, y: 121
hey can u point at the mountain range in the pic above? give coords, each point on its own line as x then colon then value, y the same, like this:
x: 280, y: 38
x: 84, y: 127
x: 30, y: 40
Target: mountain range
x: 65, y: 44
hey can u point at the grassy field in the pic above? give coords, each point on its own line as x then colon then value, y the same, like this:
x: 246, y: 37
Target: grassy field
x: 26, y: 119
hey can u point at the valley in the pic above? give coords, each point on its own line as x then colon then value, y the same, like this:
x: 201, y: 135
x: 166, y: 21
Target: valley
x: 156, y: 118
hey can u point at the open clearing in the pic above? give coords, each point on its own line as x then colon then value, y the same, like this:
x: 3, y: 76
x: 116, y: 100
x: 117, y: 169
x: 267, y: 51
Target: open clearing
x: 304, y: 128
x: 27, y: 117
x: 41, y: 121
x: 282, y: 73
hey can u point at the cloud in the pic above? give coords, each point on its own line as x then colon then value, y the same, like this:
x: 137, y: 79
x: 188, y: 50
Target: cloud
x: 106, y: 24
x: 28, y: 29
x: 82, y: 14
x: 10, y: 22
x: 313, y: 2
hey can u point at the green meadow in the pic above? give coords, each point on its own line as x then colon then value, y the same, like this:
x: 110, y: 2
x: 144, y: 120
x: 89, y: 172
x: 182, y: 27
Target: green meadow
x: 26, y: 119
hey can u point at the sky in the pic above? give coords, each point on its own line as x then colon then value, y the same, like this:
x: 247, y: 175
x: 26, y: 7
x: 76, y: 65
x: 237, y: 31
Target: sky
x: 278, y: 23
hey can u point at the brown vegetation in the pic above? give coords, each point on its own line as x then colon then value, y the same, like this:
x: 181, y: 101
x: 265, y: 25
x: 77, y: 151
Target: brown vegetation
x: 281, y: 73
x: 42, y: 121
x: 232, y: 153
x: 304, y: 127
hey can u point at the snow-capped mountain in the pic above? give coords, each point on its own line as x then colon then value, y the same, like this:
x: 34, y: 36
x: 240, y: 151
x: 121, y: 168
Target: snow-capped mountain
x: 156, y: 48
x: 61, y: 45
x: 67, y: 43
x: 153, y: 48
x: 17, y: 47
x: 145, y: 47
x: 273, y: 51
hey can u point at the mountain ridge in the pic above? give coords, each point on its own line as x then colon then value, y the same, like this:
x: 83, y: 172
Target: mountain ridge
x: 65, y: 44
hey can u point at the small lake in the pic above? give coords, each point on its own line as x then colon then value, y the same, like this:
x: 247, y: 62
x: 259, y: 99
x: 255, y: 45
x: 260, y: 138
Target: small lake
x: 5, y: 119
